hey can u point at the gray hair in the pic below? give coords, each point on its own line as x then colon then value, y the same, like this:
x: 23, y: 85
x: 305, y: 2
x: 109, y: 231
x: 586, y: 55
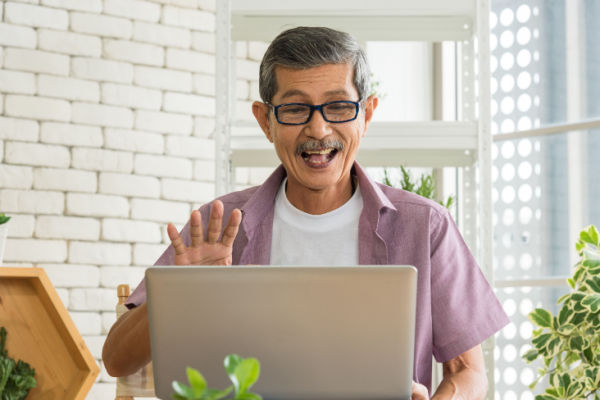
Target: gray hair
x: 309, y: 47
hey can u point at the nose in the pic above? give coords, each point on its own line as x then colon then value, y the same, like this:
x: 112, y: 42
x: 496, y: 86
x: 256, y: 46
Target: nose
x: 317, y: 127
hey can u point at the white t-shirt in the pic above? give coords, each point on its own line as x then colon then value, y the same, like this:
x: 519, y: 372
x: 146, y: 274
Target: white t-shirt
x: 305, y: 239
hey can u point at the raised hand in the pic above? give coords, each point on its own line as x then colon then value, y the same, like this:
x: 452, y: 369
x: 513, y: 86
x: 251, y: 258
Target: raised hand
x: 210, y: 251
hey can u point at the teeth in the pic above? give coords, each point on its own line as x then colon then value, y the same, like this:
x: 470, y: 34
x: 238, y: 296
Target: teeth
x: 327, y: 151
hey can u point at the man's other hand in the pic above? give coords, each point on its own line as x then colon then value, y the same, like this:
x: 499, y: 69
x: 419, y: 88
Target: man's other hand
x: 419, y: 392
x: 211, y: 251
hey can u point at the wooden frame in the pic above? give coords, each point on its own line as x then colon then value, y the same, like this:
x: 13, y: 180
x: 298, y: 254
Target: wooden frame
x: 42, y: 333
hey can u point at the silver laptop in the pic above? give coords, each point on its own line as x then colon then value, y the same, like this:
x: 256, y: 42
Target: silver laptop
x: 318, y: 332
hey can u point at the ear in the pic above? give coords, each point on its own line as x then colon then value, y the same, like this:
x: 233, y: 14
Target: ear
x: 370, y: 106
x: 261, y: 113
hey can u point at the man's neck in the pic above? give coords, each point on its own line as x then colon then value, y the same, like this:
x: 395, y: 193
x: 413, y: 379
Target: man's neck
x: 318, y: 202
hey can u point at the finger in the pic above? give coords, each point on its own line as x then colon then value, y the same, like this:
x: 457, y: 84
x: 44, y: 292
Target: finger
x: 215, y: 222
x: 196, y: 231
x: 419, y: 392
x: 176, y: 240
x: 232, y: 227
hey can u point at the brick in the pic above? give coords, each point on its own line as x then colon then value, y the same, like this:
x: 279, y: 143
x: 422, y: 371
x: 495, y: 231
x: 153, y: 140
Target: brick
x: 94, y: 343
x: 102, y: 70
x: 204, y: 84
x: 37, y: 154
x: 189, y: 104
x: 241, y: 50
x: 92, y: 299
x: 64, y: 180
x: 247, y: 69
x: 133, y: 9
x: 193, y: 19
x: 184, y: 190
x: 37, y: 108
x: 204, y: 127
x: 190, y: 60
x: 101, y: 25
x: 64, y: 296
x: 160, y: 210
x: 72, y: 275
x: 33, y: 202
x: 256, y: 50
x: 78, y: 5
x: 18, y: 36
x: 162, y: 35
x: 97, y: 114
x: 204, y: 171
x: 41, y: 17
x: 163, y: 122
x: 163, y: 79
x: 102, y: 160
x: 99, y: 253
x: 71, y: 135
x: 129, y: 185
x: 209, y: 5
x: 170, y: 167
x: 191, y: 147
x: 180, y: 3
x: 19, y: 129
x: 243, y: 111
x: 15, y: 177
x: 146, y: 254
x: 68, y: 88
x: 21, y: 225
x: 17, y: 82
x: 60, y: 227
x: 136, y: 141
x: 204, y: 42
x: 36, y: 61
x: 69, y: 43
x: 242, y: 90
x: 108, y: 319
x: 131, y: 96
x: 88, y: 323
x: 111, y: 276
x: 104, y: 377
x: 123, y: 230
x: 254, y: 91
x: 101, y: 390
x: 137, y: 53
x: 35, y: 250
x: 97, y: 205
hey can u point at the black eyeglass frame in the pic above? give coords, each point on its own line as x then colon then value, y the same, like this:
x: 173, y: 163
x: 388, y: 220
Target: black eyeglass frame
x: 318, y: 107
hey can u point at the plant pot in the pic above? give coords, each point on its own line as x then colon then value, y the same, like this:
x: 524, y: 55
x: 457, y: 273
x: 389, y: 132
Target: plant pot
x: 3, y: 235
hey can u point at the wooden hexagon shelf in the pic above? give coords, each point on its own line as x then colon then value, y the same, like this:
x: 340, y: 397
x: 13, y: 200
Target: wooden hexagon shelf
x: 41, y: 333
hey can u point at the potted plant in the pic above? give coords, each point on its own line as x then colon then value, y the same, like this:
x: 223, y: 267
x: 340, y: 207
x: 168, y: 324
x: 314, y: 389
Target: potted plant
x: 569, y: 343
x: 3, y: 233
x: 243, y: 373
x: 424, y: 186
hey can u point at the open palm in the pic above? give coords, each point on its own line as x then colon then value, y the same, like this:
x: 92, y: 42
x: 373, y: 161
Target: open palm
x: 209, y: 251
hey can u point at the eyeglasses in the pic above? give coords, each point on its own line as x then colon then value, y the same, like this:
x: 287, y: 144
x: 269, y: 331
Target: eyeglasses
x: 299, y: 113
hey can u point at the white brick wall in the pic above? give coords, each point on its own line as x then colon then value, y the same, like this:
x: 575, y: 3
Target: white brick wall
x: 106, y: 122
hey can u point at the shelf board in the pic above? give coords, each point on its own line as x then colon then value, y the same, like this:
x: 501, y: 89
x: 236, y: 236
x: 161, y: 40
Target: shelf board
x: 376, y: 20
x: 431, y: 144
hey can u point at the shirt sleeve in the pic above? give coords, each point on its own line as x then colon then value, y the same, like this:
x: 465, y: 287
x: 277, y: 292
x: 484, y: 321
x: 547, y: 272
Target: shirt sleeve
x: 465, y: 310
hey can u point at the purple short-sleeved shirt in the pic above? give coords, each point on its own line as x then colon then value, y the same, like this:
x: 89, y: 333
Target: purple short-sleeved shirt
x: 456, y: 307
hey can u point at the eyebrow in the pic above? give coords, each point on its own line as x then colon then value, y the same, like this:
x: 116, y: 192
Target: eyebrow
x: 298, y: 92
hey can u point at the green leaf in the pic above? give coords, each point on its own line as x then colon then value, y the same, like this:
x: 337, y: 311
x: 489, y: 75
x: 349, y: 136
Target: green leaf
x: 4, y: 218
x: 531, y: 355
x: 564, y: 315
x: 231, y: 363
x: 541, y: 341
x: 566, y: 329
x: 196, y: 380
x: 576, y: 343
x: 587, y: 238
x: 248, y: 396
x: 593, y: 233
x: 592, y: 302
x: 541, y: 318
x: 215, y: 394
x: 247, y: 373
x: 594, y: 283
x: 588, y: 355
x: 183, y: 390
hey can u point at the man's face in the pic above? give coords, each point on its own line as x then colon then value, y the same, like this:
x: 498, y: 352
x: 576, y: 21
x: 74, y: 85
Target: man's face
x: 317, y: 155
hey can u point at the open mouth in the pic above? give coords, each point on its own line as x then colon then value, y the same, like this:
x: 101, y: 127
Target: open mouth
x: 319, y: 158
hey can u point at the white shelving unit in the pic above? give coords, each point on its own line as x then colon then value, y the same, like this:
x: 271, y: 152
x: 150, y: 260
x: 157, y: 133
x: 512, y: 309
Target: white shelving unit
x: 465, y: 143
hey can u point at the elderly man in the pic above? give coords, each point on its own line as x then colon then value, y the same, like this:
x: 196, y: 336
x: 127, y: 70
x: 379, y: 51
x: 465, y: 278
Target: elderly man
x: 320, y: 208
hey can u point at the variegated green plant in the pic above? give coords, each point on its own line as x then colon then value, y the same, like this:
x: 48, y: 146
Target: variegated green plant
x: 569, y: 343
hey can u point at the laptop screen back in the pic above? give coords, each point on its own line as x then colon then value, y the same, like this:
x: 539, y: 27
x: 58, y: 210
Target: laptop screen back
x: 318, y: 332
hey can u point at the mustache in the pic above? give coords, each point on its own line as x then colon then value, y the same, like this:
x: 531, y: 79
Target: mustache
x: 312, y: 145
